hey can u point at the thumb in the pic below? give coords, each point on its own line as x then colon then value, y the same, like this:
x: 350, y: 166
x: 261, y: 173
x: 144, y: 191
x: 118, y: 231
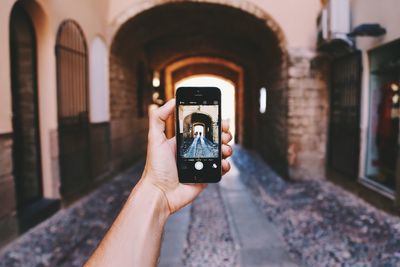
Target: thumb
x: 158, y: 118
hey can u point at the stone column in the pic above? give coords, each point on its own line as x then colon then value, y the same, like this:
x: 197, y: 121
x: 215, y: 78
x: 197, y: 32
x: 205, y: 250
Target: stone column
x: 307, y: 115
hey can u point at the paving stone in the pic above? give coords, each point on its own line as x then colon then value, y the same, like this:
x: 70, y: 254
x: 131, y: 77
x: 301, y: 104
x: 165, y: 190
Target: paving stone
x: 210, y: 242
x: 71, y: 235
x: 322, y: 224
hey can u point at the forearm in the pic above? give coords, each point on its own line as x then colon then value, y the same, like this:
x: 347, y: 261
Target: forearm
x: 134, y: 239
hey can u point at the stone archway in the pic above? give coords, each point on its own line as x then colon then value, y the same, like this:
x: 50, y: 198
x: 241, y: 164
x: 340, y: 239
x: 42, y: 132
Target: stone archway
x: 200, y: 36
x: 246, y: 6
x: 198, y: 118
x: 206, y: 66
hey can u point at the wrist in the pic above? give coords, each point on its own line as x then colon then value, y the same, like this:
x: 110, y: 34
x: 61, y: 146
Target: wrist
x: 155, y: 196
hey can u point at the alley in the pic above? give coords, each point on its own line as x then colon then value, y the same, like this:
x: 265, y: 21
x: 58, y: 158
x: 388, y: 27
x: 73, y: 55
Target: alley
x: 252, y: 218
x: 200, y: 147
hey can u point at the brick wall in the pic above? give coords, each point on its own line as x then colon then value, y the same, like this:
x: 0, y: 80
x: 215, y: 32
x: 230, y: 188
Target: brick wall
x: 100, y: 150
x: 273, y: 123
x: 128, y: 129
x: 27, y: 167
x: 8, y: 222
x: 307, y: 116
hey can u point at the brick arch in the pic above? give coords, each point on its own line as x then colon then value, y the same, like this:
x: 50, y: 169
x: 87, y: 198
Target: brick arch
x: 246, y: 6
x: 203, y: 65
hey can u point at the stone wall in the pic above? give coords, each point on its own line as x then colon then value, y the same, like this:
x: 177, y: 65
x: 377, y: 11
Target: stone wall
x: 8, y: 221
x: 128, y: 128
x: 274, y: 122
x: 307, y: 115
x: 100, y: 150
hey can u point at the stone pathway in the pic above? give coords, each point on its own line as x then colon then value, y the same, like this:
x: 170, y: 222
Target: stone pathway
x: 258, y: 241
x: 210, y: 242
x: 322, y: 224
x: 70, y: 236
x: 252, y: 218
x: 226, y: 229
x: 175, y: 238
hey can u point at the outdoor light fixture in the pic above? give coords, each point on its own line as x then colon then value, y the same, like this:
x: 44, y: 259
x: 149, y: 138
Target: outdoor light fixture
x: 368, y: 29
x: 156, y: 79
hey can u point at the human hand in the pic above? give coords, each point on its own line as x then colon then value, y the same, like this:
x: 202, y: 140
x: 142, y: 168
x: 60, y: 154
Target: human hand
x: 161, y: 171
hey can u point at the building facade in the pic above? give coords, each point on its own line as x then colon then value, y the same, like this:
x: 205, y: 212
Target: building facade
x: 363, y: 48
x: 76, y: 81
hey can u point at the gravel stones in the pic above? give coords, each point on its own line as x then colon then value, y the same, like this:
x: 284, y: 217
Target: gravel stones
x: 209, y: 241
x: 323, y: 225
x: 71, y: 235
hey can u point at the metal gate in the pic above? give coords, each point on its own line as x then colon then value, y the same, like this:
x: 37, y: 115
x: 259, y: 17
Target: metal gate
x: 26, y: 141
x: 344, y: 126
x: 73, y: 114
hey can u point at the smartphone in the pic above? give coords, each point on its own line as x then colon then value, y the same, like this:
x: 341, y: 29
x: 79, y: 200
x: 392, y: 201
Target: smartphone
x: 198, y: 134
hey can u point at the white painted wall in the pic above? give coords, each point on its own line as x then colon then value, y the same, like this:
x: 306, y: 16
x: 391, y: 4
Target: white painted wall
x: 99, y: 82
x: 46, y: 16
x: 384, y: 12
x: 5, y: 80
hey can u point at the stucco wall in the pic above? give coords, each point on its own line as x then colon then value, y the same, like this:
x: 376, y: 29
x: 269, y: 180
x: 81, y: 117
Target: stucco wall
x: 296, y: 18
x: 46, y: 16
x: 365, y: 11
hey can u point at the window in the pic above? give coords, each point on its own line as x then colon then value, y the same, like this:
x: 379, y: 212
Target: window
x: 384, y: 107
x: 263, y: 100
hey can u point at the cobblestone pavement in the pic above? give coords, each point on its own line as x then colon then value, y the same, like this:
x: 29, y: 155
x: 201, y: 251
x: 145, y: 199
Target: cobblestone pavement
x: 322, y: 224
x: 69, y: 237
x: 210, y: 242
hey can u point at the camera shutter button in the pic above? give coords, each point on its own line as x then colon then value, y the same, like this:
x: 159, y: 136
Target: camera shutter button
x: 198, y: 165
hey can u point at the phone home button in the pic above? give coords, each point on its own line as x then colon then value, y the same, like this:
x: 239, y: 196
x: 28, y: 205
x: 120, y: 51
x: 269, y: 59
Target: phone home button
x: 198, y: 165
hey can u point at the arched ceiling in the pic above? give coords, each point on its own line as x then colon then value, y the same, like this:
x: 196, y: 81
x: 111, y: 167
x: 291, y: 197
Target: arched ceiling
x: 173, y: 31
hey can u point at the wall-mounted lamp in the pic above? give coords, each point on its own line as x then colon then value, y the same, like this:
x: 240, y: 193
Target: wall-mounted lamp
x: 395, y: 87
x: 156, y: 79
x: 368, y: 29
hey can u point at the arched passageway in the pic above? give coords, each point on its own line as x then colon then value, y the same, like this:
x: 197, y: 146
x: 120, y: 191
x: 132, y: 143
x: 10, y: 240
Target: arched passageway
x: 178, y: 40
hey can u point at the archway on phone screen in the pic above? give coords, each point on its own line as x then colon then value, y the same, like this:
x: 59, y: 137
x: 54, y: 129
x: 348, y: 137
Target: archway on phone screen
x: 227, y: 95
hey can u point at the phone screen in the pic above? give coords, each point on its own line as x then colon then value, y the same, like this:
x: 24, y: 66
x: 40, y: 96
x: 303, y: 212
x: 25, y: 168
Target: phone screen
x: 198, y: 132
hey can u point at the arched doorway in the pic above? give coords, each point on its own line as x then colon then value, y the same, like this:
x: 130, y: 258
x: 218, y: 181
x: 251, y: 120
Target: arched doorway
x: 73, y: 108
x: 26, y: 137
